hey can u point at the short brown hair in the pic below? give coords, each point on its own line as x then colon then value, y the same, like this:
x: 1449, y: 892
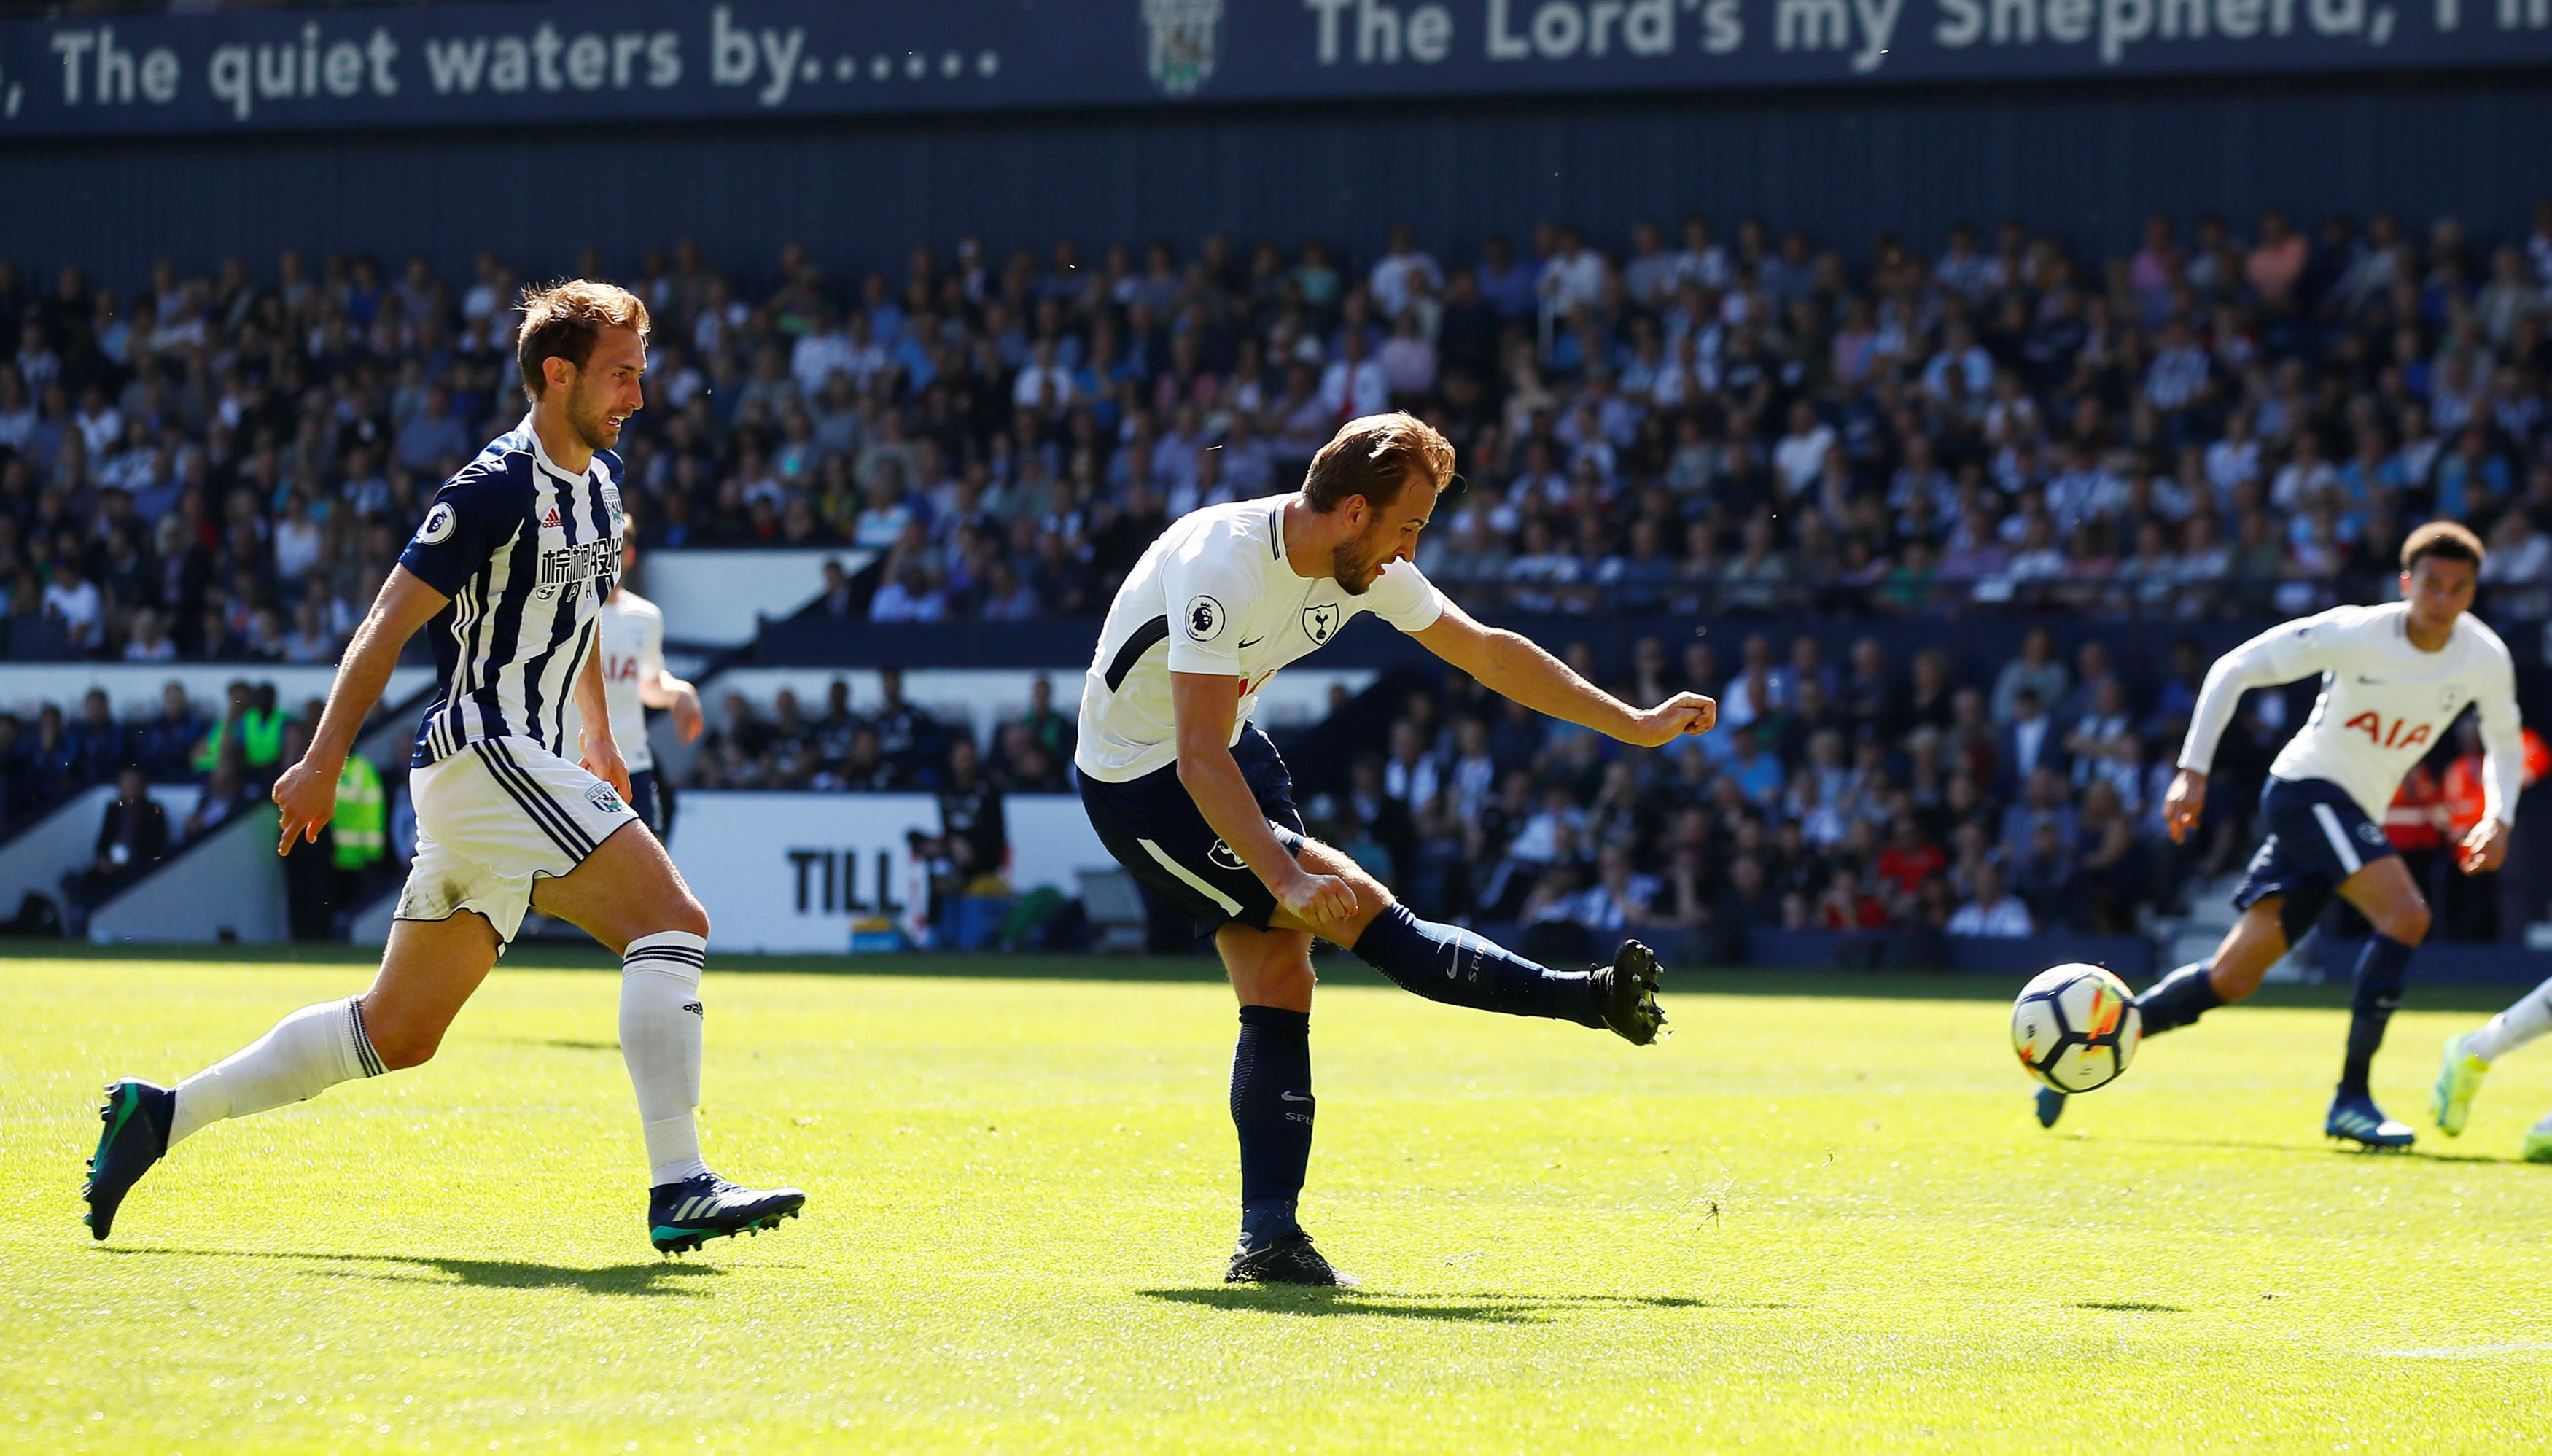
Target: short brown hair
x: 1372, y: 458
x: 562, y: 320
x: 2449, y: 540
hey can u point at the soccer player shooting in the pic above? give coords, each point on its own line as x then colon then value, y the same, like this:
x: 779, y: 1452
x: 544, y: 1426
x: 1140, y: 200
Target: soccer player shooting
x: 2393, y: 678
x: 512, y: 565
x: 1192, y: 798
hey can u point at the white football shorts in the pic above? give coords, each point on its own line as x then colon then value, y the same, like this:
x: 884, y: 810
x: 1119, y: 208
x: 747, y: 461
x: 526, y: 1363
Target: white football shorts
x: 491, y: 818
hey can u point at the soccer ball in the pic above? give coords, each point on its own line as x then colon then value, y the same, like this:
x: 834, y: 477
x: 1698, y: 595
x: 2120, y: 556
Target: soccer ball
x: 2075, y: 1027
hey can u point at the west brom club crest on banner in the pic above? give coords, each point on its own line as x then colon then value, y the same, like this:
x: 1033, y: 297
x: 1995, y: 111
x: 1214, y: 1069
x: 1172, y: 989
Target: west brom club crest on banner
x: 1181, y: 51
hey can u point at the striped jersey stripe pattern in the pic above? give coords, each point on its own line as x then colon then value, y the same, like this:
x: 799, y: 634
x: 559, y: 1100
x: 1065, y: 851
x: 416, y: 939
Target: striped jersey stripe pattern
x: 527, y: 552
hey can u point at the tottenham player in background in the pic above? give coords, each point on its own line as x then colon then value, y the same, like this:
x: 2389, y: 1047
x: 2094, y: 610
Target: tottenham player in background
x: 2468, y: 1059
x: 2393, y: 678
x: 1192, y: 798
x: 511, y: 564
x: 634, y: 679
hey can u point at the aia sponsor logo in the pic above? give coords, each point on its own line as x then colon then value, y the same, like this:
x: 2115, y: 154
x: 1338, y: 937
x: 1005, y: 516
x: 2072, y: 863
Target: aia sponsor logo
x: 2401, y: 733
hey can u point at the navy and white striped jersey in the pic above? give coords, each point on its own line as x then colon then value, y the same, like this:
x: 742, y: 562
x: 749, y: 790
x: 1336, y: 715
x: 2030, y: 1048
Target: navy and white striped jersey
x: 527, y: 552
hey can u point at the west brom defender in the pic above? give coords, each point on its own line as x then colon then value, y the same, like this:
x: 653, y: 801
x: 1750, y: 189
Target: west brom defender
x: 1192, y: 798
x: 2468, y: 1059
x: 634, y: 679
x: 2393, y: 679
x: 513, y: 563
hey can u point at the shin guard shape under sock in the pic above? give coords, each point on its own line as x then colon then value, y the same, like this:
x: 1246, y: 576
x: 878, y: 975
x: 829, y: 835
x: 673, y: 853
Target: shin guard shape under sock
x: 660, y: 1041
x: 306, y: 1052
x: 1271, y: 1109
x: 2381, y: 969
x: 2178, y: 998
x: 1445, y: 963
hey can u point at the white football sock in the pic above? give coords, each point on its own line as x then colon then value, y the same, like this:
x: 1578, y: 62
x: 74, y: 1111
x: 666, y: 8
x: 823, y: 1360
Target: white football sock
x: 2529, y: 1018
x: 306, y: 1052
x: 659, y: 1039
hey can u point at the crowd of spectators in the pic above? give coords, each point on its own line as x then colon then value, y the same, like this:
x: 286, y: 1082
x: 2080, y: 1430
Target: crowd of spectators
x: 224, y: 465
x: 1879, y: 796
x: 230, y: 758
x: 1885, y: 795
x: 50, y: 757
x: 893, y: 746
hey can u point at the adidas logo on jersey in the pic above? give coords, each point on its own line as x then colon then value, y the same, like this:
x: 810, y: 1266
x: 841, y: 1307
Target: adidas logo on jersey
x: 551, y: 523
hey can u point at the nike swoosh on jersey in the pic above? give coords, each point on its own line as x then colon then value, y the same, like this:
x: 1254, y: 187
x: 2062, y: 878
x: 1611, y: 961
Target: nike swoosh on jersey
x: 1294, y: 1096
x: 2370, y: 682
x: 1253, y: 642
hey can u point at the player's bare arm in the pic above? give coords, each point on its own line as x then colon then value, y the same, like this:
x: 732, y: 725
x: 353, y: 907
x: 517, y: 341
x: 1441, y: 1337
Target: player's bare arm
x: 593, y: 737
x: 306, y: 792
x: 672, y: 695
x: 1204, y: 705
x: 1516, y: 667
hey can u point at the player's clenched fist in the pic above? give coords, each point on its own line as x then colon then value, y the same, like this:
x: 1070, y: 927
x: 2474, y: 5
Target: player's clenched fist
x: 1317, y: 899
x: 1685, y: 713
x: 2183, y: 802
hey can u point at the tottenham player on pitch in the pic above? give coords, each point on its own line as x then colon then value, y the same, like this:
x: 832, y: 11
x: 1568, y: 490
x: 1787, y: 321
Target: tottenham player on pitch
x: 634, y: 679
x: 1192, y: 798
x: 513, y: 560
x: 2468, y: 1059
x: 2393, y: 679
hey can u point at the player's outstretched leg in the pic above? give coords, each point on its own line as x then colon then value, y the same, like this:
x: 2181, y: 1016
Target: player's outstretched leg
x: 2180, y: 999
x: 428, y: 969
x: 2175, y: 1000
x: 627, y: 893
x: 2241, y: 959
x: 2468, y: 1057
x: 1461, y: 967
x: 306, y: 1054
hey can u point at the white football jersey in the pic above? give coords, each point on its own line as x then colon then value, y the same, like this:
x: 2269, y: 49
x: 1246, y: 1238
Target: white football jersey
x: 1215, y: 594
x: 633, y: 652
x: 2383, y: 703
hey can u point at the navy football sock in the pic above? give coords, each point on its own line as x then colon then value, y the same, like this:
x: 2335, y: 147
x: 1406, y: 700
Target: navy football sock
x: 2381, y: 968
x: 1445, y: 963
x: 1272, y: 1107
x: 2178, y: 998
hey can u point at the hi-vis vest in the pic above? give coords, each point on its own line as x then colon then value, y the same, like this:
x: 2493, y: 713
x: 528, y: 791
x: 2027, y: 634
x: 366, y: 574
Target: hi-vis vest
x: 361, y: 824
x: 261, y: 740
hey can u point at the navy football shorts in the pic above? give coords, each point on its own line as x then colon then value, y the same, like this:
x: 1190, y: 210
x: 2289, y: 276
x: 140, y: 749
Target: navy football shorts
x: 2317, y: 838
x: 1153, y: 827
x: 644, y: 797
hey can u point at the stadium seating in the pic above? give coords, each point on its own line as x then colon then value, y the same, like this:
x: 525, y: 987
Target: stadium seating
x: 1701, y: 426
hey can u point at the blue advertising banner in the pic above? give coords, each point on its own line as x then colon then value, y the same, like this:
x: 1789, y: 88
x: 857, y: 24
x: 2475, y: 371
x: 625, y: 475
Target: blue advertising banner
x: 575, y: 62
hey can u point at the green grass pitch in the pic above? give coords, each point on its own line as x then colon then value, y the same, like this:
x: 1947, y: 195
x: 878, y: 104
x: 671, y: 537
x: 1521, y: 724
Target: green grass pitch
x: 1817, y: 1220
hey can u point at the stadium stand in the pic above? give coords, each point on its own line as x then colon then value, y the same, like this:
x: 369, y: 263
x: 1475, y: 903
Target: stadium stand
x: 1858, y: 468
